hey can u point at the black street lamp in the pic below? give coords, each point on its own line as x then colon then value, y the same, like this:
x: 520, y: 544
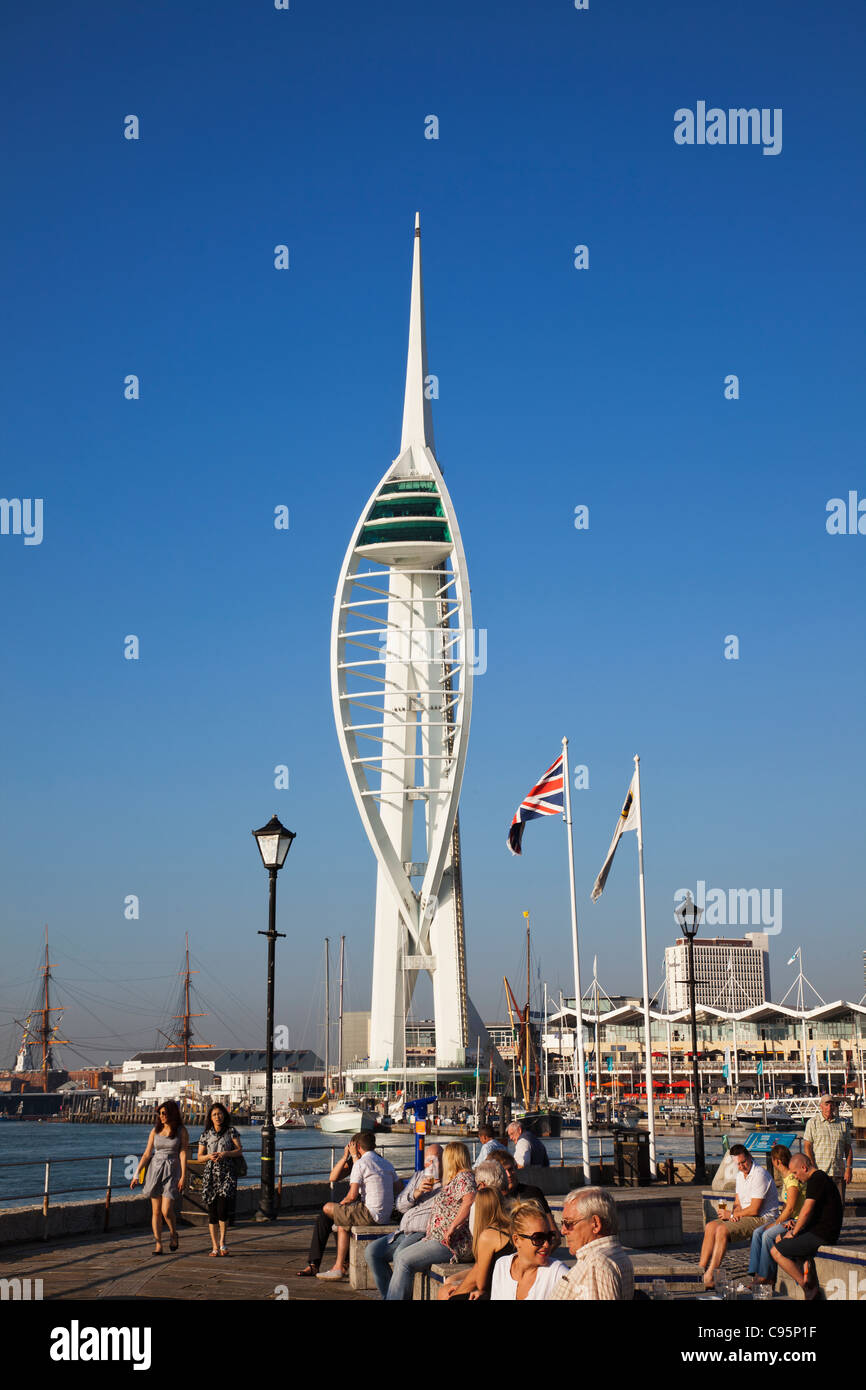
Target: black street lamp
x: 274, y: 842
x: 689, y: 918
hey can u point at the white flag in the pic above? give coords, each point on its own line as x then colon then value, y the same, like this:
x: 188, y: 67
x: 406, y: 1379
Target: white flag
x: 813, y: 1068
x: 627, y: 821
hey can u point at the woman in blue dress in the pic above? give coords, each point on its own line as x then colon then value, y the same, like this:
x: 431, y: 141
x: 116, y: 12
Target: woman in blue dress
x: 165, y: 1159
x: 219, y: 1146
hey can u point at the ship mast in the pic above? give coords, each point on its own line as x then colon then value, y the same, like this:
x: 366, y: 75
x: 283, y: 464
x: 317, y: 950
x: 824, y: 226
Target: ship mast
x: 185, y: 1032
x: 45, y: 1027
x: 43, y: 1034
x: 340, y: 1027
x: 527, y: 1043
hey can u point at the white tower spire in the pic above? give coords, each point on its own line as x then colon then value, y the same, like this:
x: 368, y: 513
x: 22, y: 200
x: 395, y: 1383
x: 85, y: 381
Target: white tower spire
x: 417, y: 411
x: 401, y: 681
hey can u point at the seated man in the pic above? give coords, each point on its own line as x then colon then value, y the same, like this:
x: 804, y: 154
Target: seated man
x: 489, y: 1142
x: 515, y: 1191
x: 414, y: 1204
x: 369, y: 1202
x: 819, y: 1223
x: 528, y: 1148
x: 602, y: 1269
x: 757, y: 1201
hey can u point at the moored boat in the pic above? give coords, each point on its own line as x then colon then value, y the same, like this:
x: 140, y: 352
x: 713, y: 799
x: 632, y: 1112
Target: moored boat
x: 346, y: 1118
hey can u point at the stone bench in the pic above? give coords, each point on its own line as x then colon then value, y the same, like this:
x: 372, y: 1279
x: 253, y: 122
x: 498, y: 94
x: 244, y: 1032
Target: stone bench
x: 710, y: 1199
x: 649, y: 1221
x: 681, y: 1276
x: 360, y: 1274
x: 644, y: 1222
x: 841, y: 1271
x: 427, y: 1285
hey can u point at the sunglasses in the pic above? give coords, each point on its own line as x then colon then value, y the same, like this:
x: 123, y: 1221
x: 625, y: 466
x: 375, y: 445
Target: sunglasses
x: 540, y: 1238
x: 570, y: 1225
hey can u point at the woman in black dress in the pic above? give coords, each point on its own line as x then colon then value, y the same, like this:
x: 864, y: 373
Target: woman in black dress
x: 219, y: 1145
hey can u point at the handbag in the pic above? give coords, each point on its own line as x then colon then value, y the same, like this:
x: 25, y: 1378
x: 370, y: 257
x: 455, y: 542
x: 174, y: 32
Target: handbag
x: 240, y: 1163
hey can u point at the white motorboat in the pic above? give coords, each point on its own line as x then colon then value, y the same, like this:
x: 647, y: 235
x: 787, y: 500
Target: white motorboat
x: 346, y: 1118
x: 291, y: 1118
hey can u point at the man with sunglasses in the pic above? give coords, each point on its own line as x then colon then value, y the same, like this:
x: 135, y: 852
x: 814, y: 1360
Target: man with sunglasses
x: 602, y: 1268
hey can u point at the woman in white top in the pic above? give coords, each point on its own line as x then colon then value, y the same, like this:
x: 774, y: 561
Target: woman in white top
x: 531, y: 1273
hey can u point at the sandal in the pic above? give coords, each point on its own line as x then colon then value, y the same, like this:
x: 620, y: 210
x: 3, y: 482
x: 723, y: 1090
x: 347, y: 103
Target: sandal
x: 213, y: 1254
x: 223, y: 1250
x: 308, y: 1272
x: 173, y: 1244
x: 157, y: 1252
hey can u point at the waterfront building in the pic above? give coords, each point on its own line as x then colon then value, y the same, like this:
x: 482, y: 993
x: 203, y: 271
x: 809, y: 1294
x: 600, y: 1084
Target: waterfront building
x: 236, y: 1075
x: 732, y: 971
x: 402, y: 656
x: 768, y: 1046
x: 356, y: 1038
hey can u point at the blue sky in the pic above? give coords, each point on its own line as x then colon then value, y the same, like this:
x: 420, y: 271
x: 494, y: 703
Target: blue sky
x: 558, y: 387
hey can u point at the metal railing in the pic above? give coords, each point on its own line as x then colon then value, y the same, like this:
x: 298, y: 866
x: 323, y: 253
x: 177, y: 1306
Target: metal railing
x: 49, y: 1189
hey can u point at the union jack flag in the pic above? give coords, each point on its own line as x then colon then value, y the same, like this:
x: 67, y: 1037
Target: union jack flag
x: 545, y: 799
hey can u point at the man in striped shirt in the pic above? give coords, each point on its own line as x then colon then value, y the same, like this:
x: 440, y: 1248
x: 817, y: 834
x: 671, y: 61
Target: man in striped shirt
x: 827, y: 1143
x: 602, y: 1268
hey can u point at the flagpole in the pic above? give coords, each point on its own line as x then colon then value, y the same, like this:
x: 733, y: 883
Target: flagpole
x: 584, y: 1130
x: 544, y: 1057
x: 650, y: 1109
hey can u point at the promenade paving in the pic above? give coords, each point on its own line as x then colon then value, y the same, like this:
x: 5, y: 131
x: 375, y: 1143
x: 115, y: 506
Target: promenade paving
x: 120, y: 1265
x: 262, y: 1261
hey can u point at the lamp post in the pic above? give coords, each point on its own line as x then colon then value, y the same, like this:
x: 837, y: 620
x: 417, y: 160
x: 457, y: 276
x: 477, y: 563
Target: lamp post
x: 274, y: 842
x: 689, y: 917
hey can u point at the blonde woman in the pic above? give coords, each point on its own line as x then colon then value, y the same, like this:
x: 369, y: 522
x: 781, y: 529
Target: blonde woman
x: 447, y: 1239
x: 492, y: 1238
x: 530, y: 1274
x: 764, y: 1238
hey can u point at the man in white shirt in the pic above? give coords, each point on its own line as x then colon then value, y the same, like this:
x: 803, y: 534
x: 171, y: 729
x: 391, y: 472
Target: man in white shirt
x: 413, y: 1205
x: 757, y: 1202
x: 369, y: 1201
x: 528, y: 1149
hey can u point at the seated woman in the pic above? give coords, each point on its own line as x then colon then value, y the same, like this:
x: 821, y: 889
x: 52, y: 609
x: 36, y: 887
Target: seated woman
x: 794, y: 1194
x: 492, y: 1238
x: 447, y: 1237
x: 530, y: 1274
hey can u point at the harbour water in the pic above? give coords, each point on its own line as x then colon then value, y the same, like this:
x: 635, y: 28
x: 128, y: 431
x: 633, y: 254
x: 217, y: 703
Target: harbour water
x: 305, y: 1154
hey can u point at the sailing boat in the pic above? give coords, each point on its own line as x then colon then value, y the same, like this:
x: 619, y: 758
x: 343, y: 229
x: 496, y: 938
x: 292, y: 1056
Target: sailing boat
x: 344, y: 1116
